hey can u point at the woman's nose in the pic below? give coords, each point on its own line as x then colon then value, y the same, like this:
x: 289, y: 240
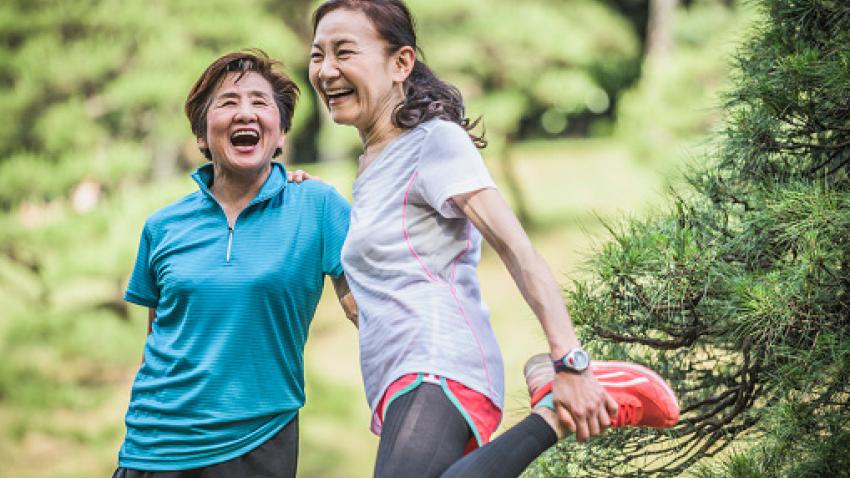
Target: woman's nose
x: 328, y: 68
x: 245, y: 112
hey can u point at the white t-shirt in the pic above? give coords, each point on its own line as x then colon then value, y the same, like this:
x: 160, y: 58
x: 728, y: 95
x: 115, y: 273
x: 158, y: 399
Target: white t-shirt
x: 410, y: 259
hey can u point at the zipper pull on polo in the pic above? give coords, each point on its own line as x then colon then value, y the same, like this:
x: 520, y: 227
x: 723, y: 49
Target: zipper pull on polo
x: 229, y: 242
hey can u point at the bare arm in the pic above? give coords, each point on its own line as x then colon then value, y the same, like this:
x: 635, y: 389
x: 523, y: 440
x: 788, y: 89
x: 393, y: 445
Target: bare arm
x: 581, y: 402
x: 346, y: 300
x: 493, y: 217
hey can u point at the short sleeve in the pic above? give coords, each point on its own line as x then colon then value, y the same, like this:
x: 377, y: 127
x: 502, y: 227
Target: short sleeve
x: 334, y: 229
x: 449, y: 164
x: 142, y: 288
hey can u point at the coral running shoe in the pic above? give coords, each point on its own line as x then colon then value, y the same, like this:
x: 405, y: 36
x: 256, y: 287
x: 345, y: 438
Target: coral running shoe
x: 644, y: 398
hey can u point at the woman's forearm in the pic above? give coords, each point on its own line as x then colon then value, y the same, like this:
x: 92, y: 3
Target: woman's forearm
x: 346, y: 300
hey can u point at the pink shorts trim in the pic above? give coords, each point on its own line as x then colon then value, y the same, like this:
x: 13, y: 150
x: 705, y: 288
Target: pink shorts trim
x: 482, y: 416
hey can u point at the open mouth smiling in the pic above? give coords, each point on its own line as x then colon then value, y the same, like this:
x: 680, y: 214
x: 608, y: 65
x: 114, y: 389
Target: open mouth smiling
x: 245, y: 138
x: 338, y: 94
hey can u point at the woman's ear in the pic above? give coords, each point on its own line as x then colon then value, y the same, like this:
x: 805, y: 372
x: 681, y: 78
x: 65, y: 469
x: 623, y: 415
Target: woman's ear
x: 204, y: 148
x: 404, y: 59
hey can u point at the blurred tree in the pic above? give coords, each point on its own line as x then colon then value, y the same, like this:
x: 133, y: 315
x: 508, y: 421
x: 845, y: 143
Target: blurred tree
x: 635, y: 12
x: 659, y: 35
x: 741, y: 294
x: 295, y: 14
x: 95, y: 88
x: 530, y: 66
x: 93, y: 96
x: 638, y: 13
x: 669, y: 114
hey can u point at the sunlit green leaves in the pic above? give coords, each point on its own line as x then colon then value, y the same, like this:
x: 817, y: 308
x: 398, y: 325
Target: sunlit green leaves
x: 567, y: 56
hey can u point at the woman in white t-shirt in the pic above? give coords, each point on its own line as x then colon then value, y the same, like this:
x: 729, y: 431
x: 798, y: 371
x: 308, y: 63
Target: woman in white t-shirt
x: 431, y: 365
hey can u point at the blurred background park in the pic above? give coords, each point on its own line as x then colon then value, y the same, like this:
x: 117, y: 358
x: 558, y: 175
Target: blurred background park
x: 592, y: 109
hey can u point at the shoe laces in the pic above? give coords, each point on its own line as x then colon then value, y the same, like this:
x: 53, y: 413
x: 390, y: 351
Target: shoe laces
x: 627, y: 414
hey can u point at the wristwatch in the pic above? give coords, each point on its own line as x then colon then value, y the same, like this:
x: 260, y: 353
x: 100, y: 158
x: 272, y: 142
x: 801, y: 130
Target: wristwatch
x: 575, y: 361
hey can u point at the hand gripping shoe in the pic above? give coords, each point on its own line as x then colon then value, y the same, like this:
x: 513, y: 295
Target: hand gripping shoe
x: 644, y: 398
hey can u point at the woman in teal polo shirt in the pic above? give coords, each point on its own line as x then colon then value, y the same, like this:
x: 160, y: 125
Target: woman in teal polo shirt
x: 231, y: 274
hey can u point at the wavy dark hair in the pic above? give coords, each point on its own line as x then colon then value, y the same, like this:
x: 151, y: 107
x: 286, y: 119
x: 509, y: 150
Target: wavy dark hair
x: 425, y: 95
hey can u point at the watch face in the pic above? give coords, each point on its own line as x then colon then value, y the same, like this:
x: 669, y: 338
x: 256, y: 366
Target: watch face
x: 578, y: 359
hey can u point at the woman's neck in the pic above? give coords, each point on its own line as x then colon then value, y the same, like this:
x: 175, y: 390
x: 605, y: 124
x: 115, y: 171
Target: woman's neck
x: 382, y: 129
x: 235, y: 189
x: 375, y: 139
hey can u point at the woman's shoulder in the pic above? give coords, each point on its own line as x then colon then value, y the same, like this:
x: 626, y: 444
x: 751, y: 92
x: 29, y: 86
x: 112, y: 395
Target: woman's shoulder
x: 441, y: 126
x: 180, y: 210
x: 311, y: 187
x: 317, y: 192
x: 442, y: 137
x: 446, y: 133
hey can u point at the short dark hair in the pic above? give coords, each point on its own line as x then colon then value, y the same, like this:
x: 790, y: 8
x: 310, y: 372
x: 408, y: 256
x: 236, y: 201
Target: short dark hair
x: 285, y: 91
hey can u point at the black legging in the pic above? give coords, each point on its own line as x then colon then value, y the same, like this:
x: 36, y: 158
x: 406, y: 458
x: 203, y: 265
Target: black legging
x: 424, y: 435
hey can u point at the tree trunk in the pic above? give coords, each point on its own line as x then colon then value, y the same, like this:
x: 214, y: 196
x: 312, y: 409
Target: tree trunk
x: 305, y: 146
x: 659, y: 31
x: 509, y: 171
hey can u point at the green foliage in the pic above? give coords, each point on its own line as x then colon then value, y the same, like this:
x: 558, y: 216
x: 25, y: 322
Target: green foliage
x: 96, y: 87
x: 740, y: 295
x: 662, y: 117
x: 521, y: 59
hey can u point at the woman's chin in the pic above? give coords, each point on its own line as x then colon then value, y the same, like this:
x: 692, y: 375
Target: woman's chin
x: 245, y: 161
x: 341, y: 117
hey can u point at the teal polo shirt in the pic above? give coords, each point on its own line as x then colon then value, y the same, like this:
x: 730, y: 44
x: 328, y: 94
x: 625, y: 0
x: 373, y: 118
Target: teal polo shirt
x: 223, y: 369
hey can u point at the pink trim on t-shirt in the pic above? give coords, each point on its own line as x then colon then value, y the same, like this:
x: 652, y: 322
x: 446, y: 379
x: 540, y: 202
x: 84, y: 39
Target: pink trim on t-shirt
x: 460, y: 307
x: 451, y: 284
x: 407, y: 236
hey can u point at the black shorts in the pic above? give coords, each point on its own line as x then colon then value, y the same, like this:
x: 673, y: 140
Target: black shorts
x: 276, y: 458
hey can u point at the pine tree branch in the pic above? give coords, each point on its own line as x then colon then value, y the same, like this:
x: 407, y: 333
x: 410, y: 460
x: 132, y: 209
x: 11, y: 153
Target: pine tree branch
x: 814, y: 146
x: 708, y: 401
x: 654, y: 343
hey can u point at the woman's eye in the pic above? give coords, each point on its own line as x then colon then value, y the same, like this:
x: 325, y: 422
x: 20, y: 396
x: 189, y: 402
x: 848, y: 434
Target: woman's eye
x: 315, y: 56
x: 259, y: 103
x: 344, y: 53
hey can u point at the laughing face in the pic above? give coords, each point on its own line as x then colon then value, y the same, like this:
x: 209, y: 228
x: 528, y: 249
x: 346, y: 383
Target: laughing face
x: 243, y: 124
x: 352, y: 72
